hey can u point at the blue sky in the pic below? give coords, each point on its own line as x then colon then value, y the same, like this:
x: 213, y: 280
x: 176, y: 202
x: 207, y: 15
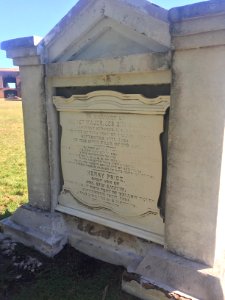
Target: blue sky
x: 21, y: 18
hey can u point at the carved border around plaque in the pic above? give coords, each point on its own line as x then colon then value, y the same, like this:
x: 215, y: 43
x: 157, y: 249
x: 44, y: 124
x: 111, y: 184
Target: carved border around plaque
x: 111, y: 160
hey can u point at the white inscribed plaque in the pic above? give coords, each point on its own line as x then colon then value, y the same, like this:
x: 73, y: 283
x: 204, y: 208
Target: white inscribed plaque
x: 111, y: 158
x: 112, y: 161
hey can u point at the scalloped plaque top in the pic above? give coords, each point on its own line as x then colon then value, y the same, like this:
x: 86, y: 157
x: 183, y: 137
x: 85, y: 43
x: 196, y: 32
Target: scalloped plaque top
x: 110, y: 101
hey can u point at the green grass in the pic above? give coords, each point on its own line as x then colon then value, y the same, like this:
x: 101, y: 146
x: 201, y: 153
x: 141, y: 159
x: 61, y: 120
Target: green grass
x: 13, y: 183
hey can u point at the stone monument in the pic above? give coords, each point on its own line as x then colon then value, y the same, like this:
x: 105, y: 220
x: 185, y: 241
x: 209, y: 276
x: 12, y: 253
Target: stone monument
x: 124, y: 114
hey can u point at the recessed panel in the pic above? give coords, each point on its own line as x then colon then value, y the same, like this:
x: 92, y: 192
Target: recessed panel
x: 111, y: 160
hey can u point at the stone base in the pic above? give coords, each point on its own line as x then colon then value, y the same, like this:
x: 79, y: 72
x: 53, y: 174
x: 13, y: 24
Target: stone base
x: 141, y: 288
x: 174, y: 275
x: 151, y: 264
x: 46, y: 232
x: 155, y: 273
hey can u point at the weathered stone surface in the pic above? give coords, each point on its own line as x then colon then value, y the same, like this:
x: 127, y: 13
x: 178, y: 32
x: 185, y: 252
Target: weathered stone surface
x: 105, y: 243
x: 22, y: 52
x: 2, y: 236
x: 142, y: 289
x: 199, y: 25
x: 139, y: 63
x: 180, y: 274
x: 141, y: 24
x: 44, y: 231
x: 195, y: 196
x: 36, y: 140
x: 28, y: 61
x: 136, y: 289
x: 25, y: 42
x: 197, y: 10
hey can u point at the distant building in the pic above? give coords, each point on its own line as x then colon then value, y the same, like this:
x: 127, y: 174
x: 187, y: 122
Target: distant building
x: 10, y: 84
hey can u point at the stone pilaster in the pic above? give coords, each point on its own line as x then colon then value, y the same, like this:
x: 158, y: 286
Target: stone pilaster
x: 24, y: 54
x: 34, y: 224
x: 195, y: 193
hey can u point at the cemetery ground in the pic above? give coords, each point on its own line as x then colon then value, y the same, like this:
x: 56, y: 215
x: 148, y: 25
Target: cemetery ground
x: 25, y: 273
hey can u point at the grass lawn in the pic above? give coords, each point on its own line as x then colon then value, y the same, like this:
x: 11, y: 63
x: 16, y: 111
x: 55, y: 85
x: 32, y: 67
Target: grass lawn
x: 13, y: 183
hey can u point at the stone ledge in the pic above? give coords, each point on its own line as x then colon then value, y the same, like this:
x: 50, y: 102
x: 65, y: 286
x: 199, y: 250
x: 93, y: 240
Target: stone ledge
x: 35, y: 228
x: 139, y: 63
x: 24, y: 42
x: 175, y: 273
x: 202, y: 40
x: 23, y: 51
x: 27, y: 61
x: 135, y: 285
x: 197, y: 10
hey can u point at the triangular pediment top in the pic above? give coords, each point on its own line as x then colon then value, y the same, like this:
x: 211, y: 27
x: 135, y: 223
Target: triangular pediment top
x: 109, y: 39
x: 109, y: 43
x: 137, y: 26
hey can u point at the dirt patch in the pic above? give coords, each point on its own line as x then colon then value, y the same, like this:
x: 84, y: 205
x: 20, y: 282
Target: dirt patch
x: 26, y: 274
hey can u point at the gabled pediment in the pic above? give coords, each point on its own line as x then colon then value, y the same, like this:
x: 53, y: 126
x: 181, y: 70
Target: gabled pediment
x: 109, y: 43
x: 110, y: 39
x: 107, y: 28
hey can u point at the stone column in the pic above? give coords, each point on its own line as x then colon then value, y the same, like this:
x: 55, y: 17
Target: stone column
x: 35, y: 130
x: 193, y: 260
x: 24, y: 54
x: 195, y: 212
x: 34, y: 224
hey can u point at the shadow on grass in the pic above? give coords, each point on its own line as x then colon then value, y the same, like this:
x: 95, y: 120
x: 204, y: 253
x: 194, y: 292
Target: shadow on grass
x: 70, y: 275
x: 6, y: 214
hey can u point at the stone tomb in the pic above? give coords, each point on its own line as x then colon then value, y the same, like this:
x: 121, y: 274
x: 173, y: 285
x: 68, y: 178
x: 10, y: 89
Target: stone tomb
x: 124, y: 114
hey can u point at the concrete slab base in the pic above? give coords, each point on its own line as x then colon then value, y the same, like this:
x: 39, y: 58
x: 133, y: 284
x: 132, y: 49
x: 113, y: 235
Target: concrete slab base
x: 152, y: 264
x: 141, y: 288
x: 173, y: 273
x: 46, y: 232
